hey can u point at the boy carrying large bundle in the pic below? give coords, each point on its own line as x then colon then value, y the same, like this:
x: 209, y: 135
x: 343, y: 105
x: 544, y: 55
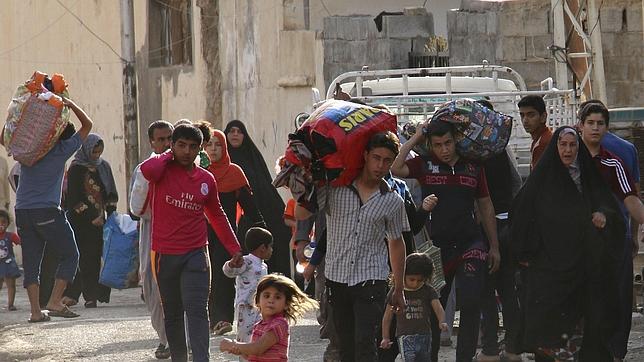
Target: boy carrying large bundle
x: 39, y: 218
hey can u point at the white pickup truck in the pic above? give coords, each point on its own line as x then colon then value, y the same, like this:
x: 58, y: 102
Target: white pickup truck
x: 414, y: 94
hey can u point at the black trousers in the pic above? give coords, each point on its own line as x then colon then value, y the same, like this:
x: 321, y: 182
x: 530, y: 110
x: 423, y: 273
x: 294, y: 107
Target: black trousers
x: 504, y: 282
x: 89, y: 239
x: 357, y: 313
x: 471, y: 289
x: 623, y: 314
x: 184, y: 283
x: 221, y: 299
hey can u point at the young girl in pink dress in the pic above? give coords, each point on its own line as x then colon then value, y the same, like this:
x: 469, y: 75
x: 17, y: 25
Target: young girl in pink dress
x: 279, y: 301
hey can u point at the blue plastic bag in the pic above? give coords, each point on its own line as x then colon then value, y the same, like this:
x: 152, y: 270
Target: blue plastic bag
x: 120, y: 252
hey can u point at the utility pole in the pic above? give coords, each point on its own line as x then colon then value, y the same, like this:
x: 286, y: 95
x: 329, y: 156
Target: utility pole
x: 130, y: 112
x: 595, y: 28
x: 561, y: 68
x: 583, y: 50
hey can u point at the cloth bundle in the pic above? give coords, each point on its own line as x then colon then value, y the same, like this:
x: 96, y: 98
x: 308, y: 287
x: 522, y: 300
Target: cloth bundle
x: 480, y: 132
x: 36, y: 118
x: 120, y: 252
x: 328, y: 148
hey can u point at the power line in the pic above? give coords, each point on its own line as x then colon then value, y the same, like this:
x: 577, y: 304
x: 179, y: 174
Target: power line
x: 46, y: 28
x: 31, y: 61
x: 598, y: 17
x: 91, y: 31
x: 325, y: 8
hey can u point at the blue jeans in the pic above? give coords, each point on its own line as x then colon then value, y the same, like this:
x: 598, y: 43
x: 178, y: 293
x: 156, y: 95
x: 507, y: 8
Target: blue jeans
x: 47, y: 226
x: 415, y: 347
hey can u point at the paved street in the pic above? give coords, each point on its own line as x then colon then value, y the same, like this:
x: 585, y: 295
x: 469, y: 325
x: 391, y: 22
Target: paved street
x: 121, y: 331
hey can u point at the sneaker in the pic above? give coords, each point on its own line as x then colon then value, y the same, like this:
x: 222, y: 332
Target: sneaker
x: 162, y: 352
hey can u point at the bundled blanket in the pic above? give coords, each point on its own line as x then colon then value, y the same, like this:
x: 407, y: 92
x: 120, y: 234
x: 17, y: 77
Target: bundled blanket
x: 328, y: 148
x: 36, y: 118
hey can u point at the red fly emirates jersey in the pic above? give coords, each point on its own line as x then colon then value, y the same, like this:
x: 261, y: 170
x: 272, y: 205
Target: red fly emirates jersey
x: 179, y: 200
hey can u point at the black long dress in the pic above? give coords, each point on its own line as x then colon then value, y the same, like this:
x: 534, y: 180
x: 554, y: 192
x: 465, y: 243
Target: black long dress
x: 222, y: 290
x: 571, y: 270
x: 269, y: 202
x: 86, y: 200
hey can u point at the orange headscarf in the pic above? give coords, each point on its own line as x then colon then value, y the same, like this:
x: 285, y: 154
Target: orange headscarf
x: 229, y: 176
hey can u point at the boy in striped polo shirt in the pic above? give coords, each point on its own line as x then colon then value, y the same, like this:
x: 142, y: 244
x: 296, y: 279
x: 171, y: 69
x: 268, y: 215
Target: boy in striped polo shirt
x: 593, y: 123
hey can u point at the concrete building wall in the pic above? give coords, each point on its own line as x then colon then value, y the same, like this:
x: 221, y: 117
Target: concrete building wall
x: 42, y: 35
x: 374, y: 7
x: 351, y: 42
x: 267, y: 70
x: 517, y: 34
x: 170, y: 92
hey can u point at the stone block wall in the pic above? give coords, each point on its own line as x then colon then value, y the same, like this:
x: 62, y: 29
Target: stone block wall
x: 623, y: 47
x: 517, y: 34
x: 351, y: 42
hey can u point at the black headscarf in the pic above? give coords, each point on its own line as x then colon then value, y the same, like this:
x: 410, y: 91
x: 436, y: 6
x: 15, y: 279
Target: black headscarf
x: 572, y: 264
x: 269, y: 202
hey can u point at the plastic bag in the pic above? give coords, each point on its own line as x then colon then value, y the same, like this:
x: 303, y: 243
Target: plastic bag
x: 120, y: 252
x: 36, y: 118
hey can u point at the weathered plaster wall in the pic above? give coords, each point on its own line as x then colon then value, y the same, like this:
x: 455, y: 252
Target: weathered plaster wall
x: 171, y: 92
x: 267, y: 72
x: 42, y: 35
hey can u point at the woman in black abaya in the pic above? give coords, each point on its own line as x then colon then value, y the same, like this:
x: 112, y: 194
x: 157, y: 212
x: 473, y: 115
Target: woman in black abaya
x: 566, y: 227
x: 244, y: 153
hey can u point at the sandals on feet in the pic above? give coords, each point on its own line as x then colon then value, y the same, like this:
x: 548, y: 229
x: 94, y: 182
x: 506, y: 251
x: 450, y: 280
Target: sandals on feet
x: 64, y: 313
x: 12, y: 308
x: 44, y: 318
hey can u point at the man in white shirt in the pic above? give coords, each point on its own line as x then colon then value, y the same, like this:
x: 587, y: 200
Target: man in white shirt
x: 160, y: 137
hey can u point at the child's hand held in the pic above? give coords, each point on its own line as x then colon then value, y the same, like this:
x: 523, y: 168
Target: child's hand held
x: 226, y: 345
x: 443, y: 326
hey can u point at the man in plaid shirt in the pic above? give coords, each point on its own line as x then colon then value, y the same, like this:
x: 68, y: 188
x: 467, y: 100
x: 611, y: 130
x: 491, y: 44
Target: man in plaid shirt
x: 365, y: 222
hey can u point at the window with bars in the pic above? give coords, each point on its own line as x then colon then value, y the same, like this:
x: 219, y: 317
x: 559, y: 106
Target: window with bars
x: 169, y: 32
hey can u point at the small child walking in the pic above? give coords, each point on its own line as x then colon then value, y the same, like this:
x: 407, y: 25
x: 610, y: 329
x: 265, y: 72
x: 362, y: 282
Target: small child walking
x: 279, y: 301
x: 9, y: 271
x: 413, y: 326
x: 259, y: 242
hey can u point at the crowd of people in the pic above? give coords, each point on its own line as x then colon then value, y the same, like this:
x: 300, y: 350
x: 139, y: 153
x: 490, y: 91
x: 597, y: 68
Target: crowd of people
x: 215, y: 251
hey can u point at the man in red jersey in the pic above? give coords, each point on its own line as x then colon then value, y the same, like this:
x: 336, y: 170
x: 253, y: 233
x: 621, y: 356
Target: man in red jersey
x: 181, y: 193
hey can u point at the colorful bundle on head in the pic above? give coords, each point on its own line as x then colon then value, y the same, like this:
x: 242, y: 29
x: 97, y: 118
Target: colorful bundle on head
x: 336, y: 135
x: 480, y: 132
x: 36, y: 117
